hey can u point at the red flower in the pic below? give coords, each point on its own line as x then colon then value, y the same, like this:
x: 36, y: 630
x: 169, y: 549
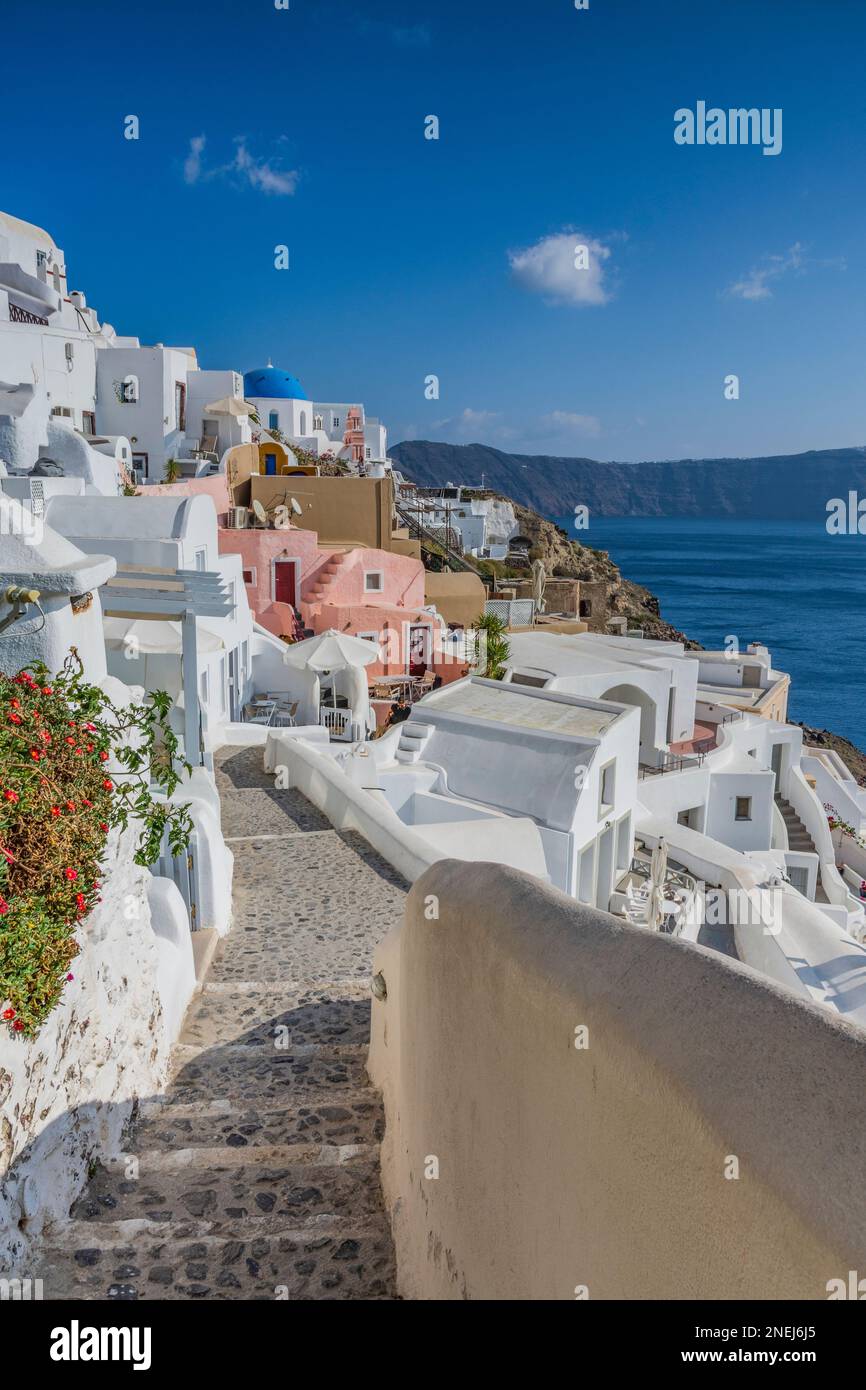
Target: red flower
x: 70, y: 805
x: 55, y: 810
x: 45, y: 736
x: 85, y: 802
x: 103, y: 825
x: 71, y: 874
x: 35, y: 754
x: 15, y: 719
x: 4, y: 907
x: 47, y: 690
x: 9, y: 795
x: 8, y: 1013
x: 70, y: 740
x: 89, y: 747
x: 70, y: 977
x: 18, y: 1026
x: 15, y: 704
x: 106, y: 782
x: 103, y: 757
x: 80, y: 901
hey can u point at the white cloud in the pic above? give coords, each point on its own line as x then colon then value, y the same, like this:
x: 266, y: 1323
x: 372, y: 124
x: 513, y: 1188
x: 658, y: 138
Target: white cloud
x: 567, y: 421
x: 467, y: 423
x: 244, y: 169
x: 192, y: 163
x: 568, y: 268
x: 757, y: 283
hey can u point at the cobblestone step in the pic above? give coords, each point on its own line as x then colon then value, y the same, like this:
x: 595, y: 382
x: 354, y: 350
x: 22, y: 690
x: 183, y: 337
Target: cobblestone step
x: 355, y: 1120
x: 262, y: 1020
x: 328, y: 1259
x: 247, y: 1075
x: 233, y: 1196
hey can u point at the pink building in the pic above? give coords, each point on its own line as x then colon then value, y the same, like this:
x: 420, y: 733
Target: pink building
x: 355, y: 589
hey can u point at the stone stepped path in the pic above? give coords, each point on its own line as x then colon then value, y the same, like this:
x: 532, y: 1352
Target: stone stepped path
x: 257, y: 1174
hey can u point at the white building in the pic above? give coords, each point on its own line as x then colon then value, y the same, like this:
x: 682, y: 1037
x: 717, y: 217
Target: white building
x: 485, y: 525
x: 49, y: 342
x: 320, y: 427
x: 163, y: 403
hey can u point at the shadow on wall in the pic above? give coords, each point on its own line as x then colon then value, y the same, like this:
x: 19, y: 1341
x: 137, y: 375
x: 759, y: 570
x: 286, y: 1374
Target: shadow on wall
x: 580, y: 1108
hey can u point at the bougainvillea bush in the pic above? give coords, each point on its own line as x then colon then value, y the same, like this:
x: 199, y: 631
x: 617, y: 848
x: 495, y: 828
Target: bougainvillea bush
x: 72, y: 767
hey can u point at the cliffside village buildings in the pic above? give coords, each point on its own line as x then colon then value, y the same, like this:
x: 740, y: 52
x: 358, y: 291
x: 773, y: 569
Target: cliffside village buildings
x: 223, y: 525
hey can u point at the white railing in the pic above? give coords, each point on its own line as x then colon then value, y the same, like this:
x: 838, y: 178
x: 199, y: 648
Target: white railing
x: 517, y: 612
x: 338, y: 722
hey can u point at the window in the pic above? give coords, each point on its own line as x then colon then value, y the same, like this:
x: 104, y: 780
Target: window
x: 374, y: 581
x: 88, y: 422
x: 607, y: 792
x: 139, y: 465
x: 128, y: 393
x: 336, y: 422
x: 250, y: 575
x: 303, y: 422
x: 274, y: 420
x: 201, y: 559
x: 317, y: 422
x: 744, y: 808
x: 368, y: 452
x: 62, y: 410
x: 180, y: 405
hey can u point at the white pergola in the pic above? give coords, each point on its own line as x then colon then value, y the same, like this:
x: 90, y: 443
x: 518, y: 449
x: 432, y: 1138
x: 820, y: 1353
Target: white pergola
x: 180, y: 596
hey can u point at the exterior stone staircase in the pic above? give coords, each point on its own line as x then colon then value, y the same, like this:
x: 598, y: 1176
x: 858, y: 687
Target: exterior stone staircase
x: 413, y: 737
x: 317, y: 592
x: 799, y: 838
x: 256, y: 1176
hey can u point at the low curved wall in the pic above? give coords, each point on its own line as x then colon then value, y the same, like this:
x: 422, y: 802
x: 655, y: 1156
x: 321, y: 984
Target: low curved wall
x: 601, y: 1170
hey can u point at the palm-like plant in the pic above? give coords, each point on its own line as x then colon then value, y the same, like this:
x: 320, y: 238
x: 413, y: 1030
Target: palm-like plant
x: 493, y: 647
x: 171, y: 472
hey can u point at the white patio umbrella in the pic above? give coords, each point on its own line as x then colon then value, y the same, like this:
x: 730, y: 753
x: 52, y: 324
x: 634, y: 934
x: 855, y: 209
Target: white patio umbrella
x: 336, y: 651
x: 658, y: 873
x: 230, y: 405
x: 539, y: 577
x: 154, y: 637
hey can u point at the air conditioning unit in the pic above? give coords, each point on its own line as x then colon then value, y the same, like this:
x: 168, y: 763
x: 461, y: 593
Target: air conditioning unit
x: 237, y: 519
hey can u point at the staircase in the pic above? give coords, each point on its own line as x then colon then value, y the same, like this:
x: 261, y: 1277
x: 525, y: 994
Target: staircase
x: 412, y: 740
x: 317, y: 590
x: 256, y: 1175
x: 799, y: 838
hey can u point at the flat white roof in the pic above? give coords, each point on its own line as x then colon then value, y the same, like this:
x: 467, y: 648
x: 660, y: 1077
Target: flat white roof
x: 570, y: 654
x: 502, y: 704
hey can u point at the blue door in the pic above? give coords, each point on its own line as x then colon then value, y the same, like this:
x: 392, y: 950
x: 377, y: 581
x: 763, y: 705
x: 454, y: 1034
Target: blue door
x: 270, y: 463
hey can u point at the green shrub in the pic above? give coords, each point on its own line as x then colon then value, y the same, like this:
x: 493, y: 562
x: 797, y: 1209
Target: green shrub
x: 72, y: 766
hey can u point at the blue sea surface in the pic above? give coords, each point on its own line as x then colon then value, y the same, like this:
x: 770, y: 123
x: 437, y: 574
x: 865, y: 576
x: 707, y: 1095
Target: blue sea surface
x: 785, y: 583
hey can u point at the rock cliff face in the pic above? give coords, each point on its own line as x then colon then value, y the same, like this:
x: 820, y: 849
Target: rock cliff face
x: 566, y: 558
x: 783, y: 486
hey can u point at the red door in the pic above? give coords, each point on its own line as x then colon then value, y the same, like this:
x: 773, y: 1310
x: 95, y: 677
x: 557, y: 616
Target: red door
x: 284, y: 581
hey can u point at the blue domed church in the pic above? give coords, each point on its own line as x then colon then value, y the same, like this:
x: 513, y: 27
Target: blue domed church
x: 336, y: 428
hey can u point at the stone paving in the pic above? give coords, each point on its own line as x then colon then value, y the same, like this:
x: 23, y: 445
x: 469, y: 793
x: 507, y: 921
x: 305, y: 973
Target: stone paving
x: 256, y: 1175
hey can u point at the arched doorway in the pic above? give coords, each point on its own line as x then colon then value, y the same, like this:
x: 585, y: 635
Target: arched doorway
x: 633, y: 695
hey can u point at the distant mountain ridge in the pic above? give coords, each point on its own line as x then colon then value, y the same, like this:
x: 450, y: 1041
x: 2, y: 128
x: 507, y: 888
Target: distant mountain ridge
x: 788, y: 487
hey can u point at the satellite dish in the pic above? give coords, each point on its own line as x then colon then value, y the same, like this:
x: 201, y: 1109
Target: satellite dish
x: 296, y: 507
x: 260, y: 513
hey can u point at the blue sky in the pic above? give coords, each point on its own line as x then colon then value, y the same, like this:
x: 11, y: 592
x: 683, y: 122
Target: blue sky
x: 412, y: 257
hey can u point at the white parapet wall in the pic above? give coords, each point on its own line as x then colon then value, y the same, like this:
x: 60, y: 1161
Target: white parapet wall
x: 67, y: 1096
x: 580, y: 1108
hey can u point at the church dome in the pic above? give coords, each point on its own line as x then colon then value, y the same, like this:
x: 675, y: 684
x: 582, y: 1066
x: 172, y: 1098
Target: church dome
x: 270, y: 383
